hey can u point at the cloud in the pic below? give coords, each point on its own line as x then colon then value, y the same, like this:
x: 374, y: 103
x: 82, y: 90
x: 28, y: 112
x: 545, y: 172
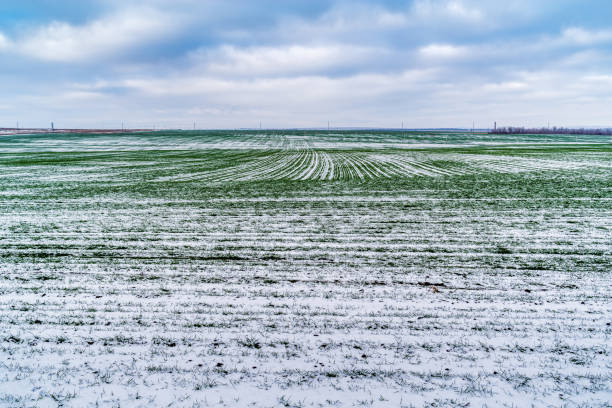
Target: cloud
x: 510, y: 86
x: 4, y: 42
x: 599, y: 78
x: 355, y: 22
x: 77, y: 95
x: 317, y: 87
x: 457, y: 10
x: 439, y: 51
x: 581, y: 36
x: 291, y: 60
x: 417, y: 96
x: 108, y: 36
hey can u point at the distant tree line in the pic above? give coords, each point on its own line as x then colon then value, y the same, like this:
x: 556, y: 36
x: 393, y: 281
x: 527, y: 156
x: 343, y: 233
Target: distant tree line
x: 512, y: 130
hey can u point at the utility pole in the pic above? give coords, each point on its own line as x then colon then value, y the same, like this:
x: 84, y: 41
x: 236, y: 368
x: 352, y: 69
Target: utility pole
x: 52, y: 127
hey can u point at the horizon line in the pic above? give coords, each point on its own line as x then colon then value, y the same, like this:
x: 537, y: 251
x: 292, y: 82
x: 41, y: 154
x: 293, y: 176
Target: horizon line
x: 335, y: 128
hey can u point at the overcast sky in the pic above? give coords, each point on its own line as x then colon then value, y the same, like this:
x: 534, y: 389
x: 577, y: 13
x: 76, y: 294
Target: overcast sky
x: 230, y: 64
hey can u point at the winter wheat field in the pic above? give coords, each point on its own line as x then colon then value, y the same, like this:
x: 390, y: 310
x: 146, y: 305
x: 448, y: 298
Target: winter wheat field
x: 305, y: 269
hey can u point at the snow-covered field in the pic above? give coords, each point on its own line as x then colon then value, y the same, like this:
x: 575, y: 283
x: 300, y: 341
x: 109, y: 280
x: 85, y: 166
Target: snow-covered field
x: 305, y: 269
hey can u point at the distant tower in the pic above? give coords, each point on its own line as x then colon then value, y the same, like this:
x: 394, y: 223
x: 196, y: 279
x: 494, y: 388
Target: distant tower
x: 494, y: 125
x: 52, y: 127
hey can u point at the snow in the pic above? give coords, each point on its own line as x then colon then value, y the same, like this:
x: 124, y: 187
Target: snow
x: 301, y: 275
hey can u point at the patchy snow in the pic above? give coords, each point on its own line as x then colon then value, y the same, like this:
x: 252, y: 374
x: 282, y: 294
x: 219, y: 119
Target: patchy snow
x: 293, y: 275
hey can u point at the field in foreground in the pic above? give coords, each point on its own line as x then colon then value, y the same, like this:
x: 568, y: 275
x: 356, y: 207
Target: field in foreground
x: 305, y: 269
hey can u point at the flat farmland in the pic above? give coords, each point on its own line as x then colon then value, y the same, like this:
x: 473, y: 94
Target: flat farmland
x: 305, y: 269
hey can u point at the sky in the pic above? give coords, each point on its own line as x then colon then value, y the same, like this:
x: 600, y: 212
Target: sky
x: 300, y: 63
